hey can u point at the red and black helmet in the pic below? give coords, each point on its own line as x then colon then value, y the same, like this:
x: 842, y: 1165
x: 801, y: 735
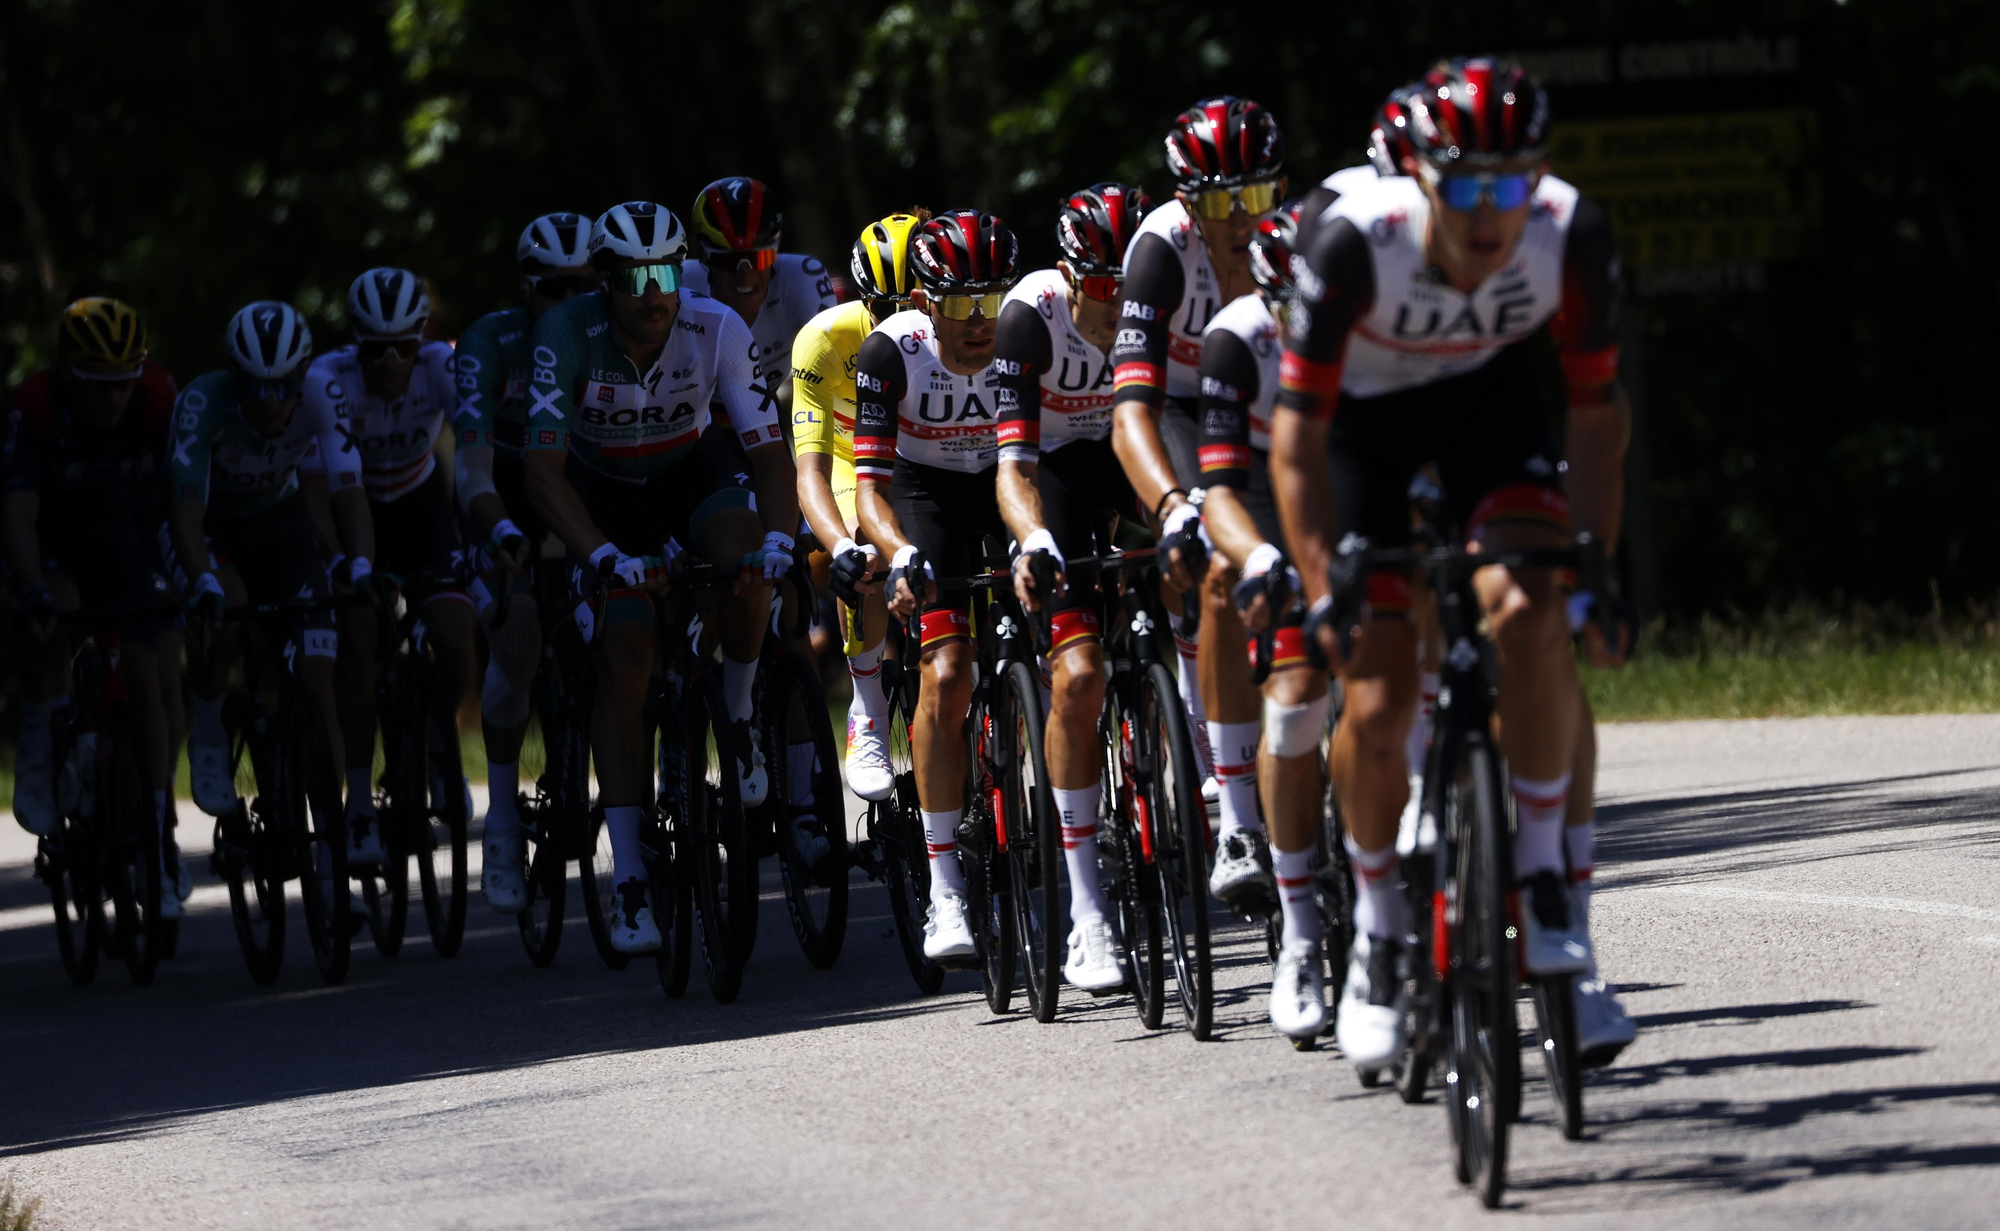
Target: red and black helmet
x: 1097, y: 225
x: 737, y: 214
x: 1223, y: 142
x: 964, y: 251
x: 1389, y: 140
x: 1479, y: 110
x: 1271, y: 246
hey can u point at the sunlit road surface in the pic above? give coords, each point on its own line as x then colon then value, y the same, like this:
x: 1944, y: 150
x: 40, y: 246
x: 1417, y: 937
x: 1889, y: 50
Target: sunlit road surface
x: 1804, y: 915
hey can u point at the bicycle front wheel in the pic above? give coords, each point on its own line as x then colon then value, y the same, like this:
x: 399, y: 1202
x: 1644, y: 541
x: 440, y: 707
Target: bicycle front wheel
x: 896, y: 826
x: 1170, y: 779
x: 247, y: 855
x: 67, y: 863
x: 1485, y: 1076
x: 812, y: 825
x: 309, y: 791
x: 126, y: 807
x: 437, y: 824
x: 716, y: 840
x: 1025, y: 813
x: 1135, y: 889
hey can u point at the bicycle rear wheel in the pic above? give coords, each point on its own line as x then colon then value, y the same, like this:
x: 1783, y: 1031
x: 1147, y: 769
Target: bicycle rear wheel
x: 896, y: 827
x: 1485, y: 1046
x: 1555, y: 1032
x: 989, y: 894
x: 1135, y: 890
x: 797, y: 727
x: 715, y: 840
x: 247, y: 857
x: 385, y: 889
x: 1025, y: 812
x: 1170, y: 779
x: 583, y: 824
x: 438, y: 822
x: 126, y: 808
x: 67, y: 863
x: 316, y: 829
x: 672, y: 885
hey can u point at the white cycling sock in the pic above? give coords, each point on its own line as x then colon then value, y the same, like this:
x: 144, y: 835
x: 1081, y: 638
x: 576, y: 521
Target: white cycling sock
x: 1538, y: 815
x: 208, y: 728
x: 941, y: 837
x: 1582, y: 842
x: 1189, y: 683
x: 865, y: 669
x: 628, y: 860
x: 1420, y: 730
x: 1295, y: 895
x: 799, y: 759
x: 1078, y: 811
x: 737, y: 681
x: 1379, y: 908
x: 503, y: 811
x: 1234, y: 745
x: 360, y: 791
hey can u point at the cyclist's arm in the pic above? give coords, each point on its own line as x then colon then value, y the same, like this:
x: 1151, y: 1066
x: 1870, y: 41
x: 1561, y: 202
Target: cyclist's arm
x: 1229, y: 380
x: 23, y: 502
x: 187, y: 462
x: 1600, y: 416
x: 1154, y: 285
x: 553, y: 374
x: 476, y: 493
x: 879, y: 385
x: 559, y: 505
x: 478, y: 373
x: 1021, y: 353
x: 319, y: 511
x: 1341, y: 288
x: 812, y: 416
x: 753, y: 415
x: 333, y: 457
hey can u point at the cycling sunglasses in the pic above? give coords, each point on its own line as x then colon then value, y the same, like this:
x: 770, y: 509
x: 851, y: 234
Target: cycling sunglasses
x: 728, y: 260
x: 633, y: 281
x: 1215, y: 204
x: 290, y: 389
x: 961, y: 307
x: 1463, y: 191
x: 555, y: 289
x: 372, y: 349
x: 1104, y: 288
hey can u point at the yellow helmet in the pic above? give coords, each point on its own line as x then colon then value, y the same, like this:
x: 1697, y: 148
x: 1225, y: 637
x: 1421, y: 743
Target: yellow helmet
x: 881, y: 261
x: 101, y: 339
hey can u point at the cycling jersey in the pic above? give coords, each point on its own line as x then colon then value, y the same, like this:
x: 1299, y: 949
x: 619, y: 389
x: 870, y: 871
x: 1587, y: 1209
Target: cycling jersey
x: 491, y: 363
x: 394, y: 436
x: 82, y: 473
x: 219, y: 460
x: 910, y: 406
x: 1239, y: 383
x: 588, y: 397
x: 823, y: 359
x: 1061, y: 382
x: 1171, y: 292
x: 1348, y: 179
x: 1367, y: 292
x: 801, y: 288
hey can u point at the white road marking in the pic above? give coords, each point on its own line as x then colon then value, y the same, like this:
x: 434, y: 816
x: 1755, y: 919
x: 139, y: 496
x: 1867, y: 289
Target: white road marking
x: 1907, y: 906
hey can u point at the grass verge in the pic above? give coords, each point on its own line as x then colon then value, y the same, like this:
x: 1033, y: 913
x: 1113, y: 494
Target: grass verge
x: 18, y: 1213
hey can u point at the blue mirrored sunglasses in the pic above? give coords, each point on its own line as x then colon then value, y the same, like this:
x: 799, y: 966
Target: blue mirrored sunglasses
x: 666, y: 276
x: 1463, y: 192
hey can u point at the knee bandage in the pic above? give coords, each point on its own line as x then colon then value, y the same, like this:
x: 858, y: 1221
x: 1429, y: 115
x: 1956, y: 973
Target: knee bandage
x: 514, y: 646
x: 1294, y: 730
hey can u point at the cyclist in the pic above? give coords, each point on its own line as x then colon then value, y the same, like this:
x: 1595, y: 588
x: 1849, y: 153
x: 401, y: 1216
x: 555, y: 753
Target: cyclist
x: 927, y: 392
x: 396, y: 389
x: 84, y: 473
x: 248, y: 454
x: 1239, y: 382
x: 738, y: 224
x: 823, y: 359
x: 1057, y: 480
x: 492, y: 363
x: 621, y: 459
x: 1192, y: 256
x: 1416, y: 295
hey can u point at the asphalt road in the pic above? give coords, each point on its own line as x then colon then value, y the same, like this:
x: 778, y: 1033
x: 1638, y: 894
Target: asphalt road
x: 1804, y: 917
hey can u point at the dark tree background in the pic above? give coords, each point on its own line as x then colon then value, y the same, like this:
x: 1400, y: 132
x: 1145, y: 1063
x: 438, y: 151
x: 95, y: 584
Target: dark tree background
x: 1831, y: 437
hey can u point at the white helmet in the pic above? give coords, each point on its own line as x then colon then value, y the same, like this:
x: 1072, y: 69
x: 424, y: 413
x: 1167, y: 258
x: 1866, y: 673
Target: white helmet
x: 554, y: 243
x: 268, y: 340
x: 387, y: 303
x: 637, y: 231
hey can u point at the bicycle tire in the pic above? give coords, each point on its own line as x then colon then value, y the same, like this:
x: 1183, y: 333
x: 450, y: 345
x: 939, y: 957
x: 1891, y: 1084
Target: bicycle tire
x: 1412, y: 1068
x: 441, y: 807
x: 815, y: 893
x: 1555, y: 1034
x: 126, y: 804
x: 989, y: 895
x: 547, y: 853
x: 1171, y: 778
x: 1026, y: 812
x: 1486, y: 1053
x: 66, y: 863
x: 316, y: 827
x: 385, y: 889
x: 1135, y: 890
x: 244, y: 856
x: 717, y: 840
x: 583, y: 822
x: 672, y: 890
x: 896, y: 826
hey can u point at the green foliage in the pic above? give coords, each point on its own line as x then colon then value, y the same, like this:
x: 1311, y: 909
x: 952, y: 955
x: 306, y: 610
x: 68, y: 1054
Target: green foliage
x: 17, y: 1213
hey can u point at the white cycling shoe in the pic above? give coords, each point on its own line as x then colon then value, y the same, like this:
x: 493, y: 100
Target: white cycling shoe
x: 209, y: 777
x: 35, y: 785
x: 868, y: 772
x: 1093, y: 957
x: 1553, y: 938
x: 947, y: 931
x: 1603, y: 1028
x: 1417, y: 830
x: 1211, y: 790
x: 1241, y: 878
x: 753, y: 780
x: 1298, y: 991
x: 364, y: 837
x: 633, y: 931
x: 809, y: 840
x: 503, y: 875
x: 1369, y: 1026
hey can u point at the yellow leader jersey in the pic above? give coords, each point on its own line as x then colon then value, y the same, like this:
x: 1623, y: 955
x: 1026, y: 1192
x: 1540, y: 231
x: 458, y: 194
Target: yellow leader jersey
x: 823, y: 354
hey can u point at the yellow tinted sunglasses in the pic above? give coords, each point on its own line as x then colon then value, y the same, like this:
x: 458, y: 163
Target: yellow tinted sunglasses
x: 1216, y: 204
x: 961, y: 307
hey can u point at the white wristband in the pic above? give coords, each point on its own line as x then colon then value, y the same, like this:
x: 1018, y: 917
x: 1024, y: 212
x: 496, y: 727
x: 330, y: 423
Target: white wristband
x: 606, y: 552
x: 1262, y: 560
x: 357, y: 569
x: 904, y: 554
x: 1040, y: 539
x: 778, y: 539
x: 844, y: 546
x: 505, y: 529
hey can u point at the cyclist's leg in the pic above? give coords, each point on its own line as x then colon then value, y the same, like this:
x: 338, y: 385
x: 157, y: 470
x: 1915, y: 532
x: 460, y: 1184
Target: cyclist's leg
x: 868, y: 772
x: 1603, y: 1027
x: 211, y: 657
x: 1295, y: 708
x: 45, y: 680
x: 514, y: 648
x: 1181, y: 436
x: 360, y: 648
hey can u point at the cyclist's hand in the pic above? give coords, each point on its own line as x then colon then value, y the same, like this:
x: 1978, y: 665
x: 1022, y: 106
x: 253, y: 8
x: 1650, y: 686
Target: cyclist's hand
x: 772, y: 561
x: 615, y: 568
x: 1265, y: 589
x: 1181, y: 546
x: 1586, y: 619
x: 1026, y: 588
x: 851, y: 572
x: 911, y: 582
x: 508, y: 548
x: 205, y: 599
x: 37, y: 610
